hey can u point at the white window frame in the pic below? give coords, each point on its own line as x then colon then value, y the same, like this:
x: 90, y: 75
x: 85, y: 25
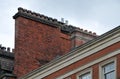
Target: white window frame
x: 88, y: 70
x: 101, y: 74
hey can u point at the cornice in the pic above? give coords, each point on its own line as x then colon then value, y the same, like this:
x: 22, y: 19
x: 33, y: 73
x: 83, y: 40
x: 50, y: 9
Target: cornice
x: 50, y: 21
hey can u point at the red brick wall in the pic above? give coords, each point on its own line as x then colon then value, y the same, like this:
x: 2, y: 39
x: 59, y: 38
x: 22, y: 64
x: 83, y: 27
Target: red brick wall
x: 36, y: 42
x: 118, y: 66
x: 95, y: 71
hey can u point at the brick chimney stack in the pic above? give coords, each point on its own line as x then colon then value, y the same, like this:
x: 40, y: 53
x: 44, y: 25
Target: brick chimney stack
x: 39, y: 39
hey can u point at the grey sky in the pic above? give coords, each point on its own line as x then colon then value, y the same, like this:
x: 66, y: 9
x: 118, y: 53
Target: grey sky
x: 98, y: 16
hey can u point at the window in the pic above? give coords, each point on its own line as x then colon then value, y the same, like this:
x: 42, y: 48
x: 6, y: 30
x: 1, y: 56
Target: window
x: 85, y: 76
x: 109, y: 71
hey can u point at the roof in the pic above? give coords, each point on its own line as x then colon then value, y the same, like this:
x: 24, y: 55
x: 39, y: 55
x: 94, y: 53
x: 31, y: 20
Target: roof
x: 113, y: 36
x: 7, y: 75
x: 49, y: 21
x: 6, y: 53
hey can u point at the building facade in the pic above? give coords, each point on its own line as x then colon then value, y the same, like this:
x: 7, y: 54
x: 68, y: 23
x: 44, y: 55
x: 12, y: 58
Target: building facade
x: 40, y: 39
x: 96, y: 59
x: 46, y: 48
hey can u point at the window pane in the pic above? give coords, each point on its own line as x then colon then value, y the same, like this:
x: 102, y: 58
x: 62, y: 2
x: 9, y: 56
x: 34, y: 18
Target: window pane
x: 109, y: 71
x: 85, y: 76
x: 109, y: 67
x: 110, y: 76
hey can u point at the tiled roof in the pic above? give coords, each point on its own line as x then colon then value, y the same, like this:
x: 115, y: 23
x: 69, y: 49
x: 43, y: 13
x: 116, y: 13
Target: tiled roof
x: 49, y: 21
x: 6, y: 53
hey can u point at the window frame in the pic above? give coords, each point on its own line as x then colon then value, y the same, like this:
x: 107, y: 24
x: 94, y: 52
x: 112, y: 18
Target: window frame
x: 88, y: 70
x: 105, y: 63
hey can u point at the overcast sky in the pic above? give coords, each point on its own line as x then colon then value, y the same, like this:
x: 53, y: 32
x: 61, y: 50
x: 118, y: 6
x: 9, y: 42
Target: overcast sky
x: 98, y: 16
